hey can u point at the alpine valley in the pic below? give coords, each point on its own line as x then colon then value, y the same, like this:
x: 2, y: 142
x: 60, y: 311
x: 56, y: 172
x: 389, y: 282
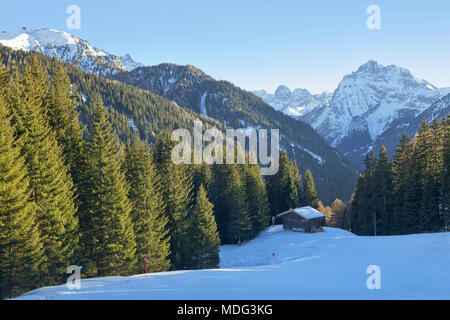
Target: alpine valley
x: 145, y: 100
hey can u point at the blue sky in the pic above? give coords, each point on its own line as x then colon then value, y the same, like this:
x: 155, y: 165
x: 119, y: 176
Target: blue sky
x: 258, y: 44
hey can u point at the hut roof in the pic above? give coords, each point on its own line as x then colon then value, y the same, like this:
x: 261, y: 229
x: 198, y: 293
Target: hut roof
x: 307, y: 213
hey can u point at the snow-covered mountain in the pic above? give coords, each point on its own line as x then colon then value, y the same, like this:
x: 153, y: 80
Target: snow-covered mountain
x: 129, y: 63
x: 294, y: 103
x: 368, y: 100
x: 191, y: 88
x: 68, y: 48
x: 367, y: 104
x: 371, y: 107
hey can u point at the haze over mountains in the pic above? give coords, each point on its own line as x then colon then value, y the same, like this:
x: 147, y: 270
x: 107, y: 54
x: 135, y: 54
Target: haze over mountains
x: 371, y: 107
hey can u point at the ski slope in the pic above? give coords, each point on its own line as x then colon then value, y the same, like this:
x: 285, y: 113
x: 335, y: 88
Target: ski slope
x: 328, y: 265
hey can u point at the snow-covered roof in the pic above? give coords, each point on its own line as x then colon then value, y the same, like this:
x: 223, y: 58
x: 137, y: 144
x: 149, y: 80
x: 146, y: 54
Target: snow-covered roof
x: 307, y: 213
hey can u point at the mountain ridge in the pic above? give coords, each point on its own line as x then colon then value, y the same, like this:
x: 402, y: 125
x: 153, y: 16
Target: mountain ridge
x: 68, y: 48
x: 371, y: 107
x: 193, y: 89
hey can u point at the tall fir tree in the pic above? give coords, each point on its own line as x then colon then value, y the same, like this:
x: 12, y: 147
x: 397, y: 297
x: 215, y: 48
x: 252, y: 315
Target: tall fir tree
x: 256, y: 198
x: 362, y: 203
x: 282, y: 187
x: 205, y: 237
x: 428, y: 168
x: 21, y: 249
x: 108, y: 239
x: 382, y: 192
x: 446, y: 172
x: 201, y: 175
x: 228, y: 197
x: 63, y: 118
x: 148, y: 210
x: 177, y: 194
x: 51, y: 184
x: 406, y: 190
x: 308, y: 191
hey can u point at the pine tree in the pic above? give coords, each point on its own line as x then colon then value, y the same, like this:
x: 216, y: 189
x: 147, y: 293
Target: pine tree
x: 201, y: 175
x: 404, y: 220
x: 108, y: 239
x: 446, y: 172
x: 362, y: 203
x: 256, y: 198
x: 63, y: 118
x: 282, y: 187
x: 428, y: 168
x: 382, y: 193
x: 148, y: 211
x: 238, y: 225
x: 204, y: 232
x: 407, y: 194
x: 229, y: 199
x: 51, y: 184
x: 20, y: 246
x: 309, y: 195
x: 177, y: 194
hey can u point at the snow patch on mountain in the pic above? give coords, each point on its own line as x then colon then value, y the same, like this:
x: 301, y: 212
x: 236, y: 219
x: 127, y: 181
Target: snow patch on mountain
x: 68, y: 48
x: 202, y: 103
x: 132, y: 124
x: 319, y: 159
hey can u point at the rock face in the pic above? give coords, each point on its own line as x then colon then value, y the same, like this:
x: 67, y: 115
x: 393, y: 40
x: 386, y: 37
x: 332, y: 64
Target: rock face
x: 68, y: 48
x: 371, y: 107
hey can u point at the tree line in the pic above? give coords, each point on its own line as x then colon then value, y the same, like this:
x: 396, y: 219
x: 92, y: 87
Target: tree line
x: 411, y: 192
x: 77, y: 194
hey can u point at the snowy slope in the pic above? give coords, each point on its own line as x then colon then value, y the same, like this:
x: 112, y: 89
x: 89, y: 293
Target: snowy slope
x: 68, y: 48
x: 328, y: 265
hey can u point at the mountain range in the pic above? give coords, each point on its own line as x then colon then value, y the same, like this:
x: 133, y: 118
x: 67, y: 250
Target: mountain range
x: 145, y: 100
x: 68, y: 48
x: 191, y: 88
x: 294, y: 103
x: 371, y: 107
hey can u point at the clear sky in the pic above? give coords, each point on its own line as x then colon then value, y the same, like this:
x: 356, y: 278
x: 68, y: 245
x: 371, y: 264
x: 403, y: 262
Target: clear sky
x: 258, y: 44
